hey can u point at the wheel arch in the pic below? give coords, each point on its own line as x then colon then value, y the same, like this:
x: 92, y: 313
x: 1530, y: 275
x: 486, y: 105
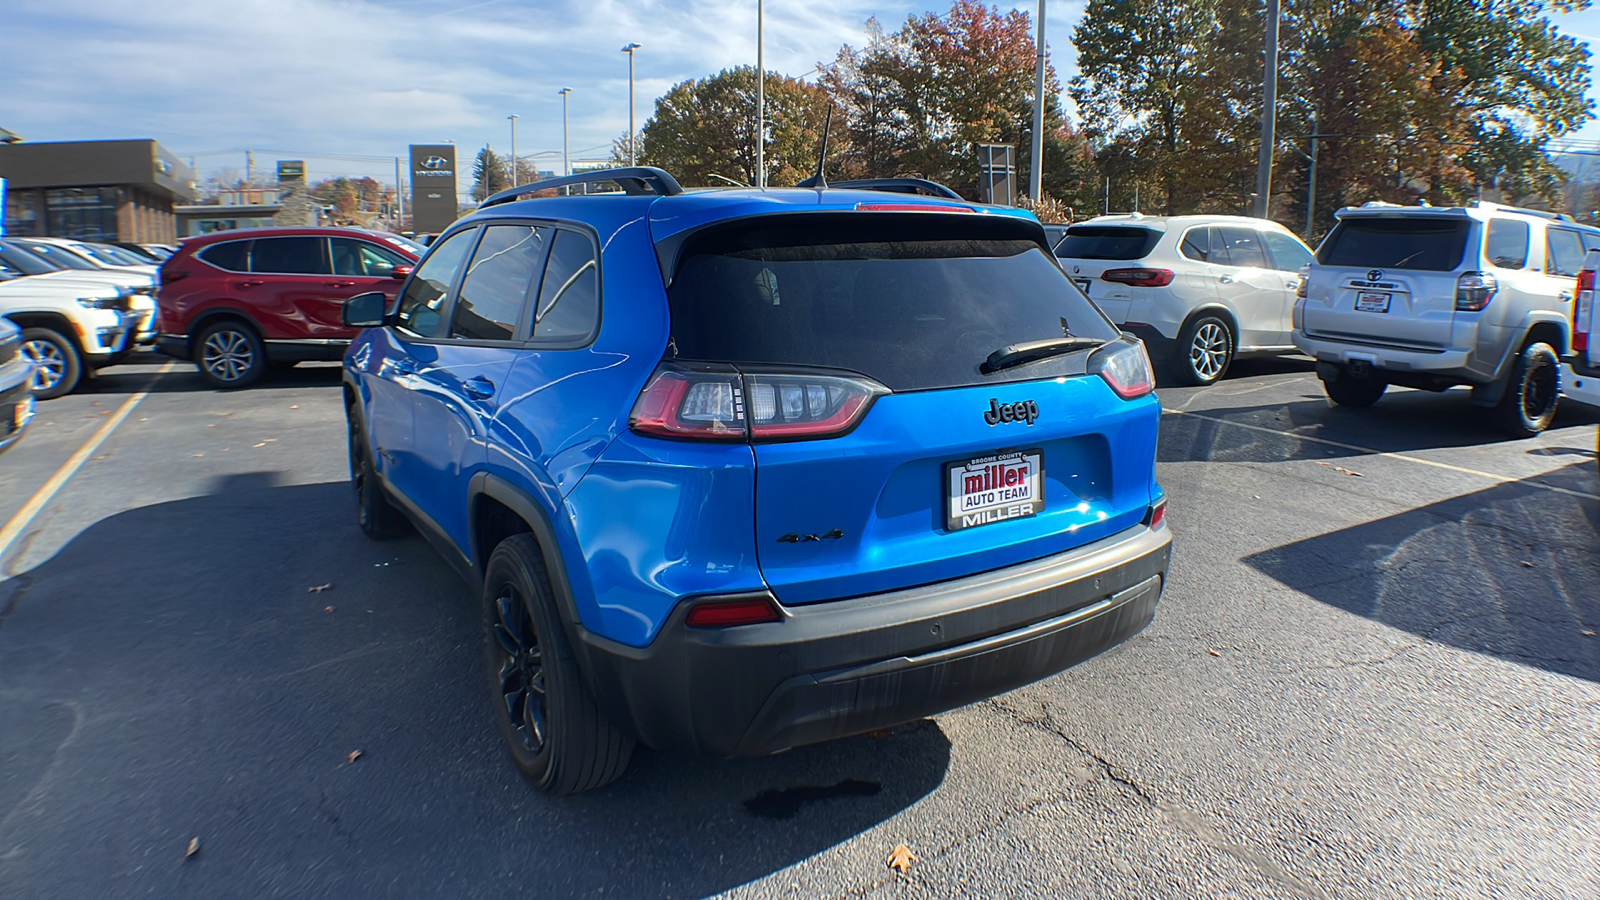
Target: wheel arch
x: 1217, y: 309
x: 218, y: 314
x: 499, y: 509
x: 54, y: 321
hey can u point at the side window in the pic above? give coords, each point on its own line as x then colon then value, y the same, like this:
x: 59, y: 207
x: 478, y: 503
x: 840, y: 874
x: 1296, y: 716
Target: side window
x: 569, y: 298
x: 1196, y: 244
x: 233, y: 256
x: 1565, y: 252
x: 496, y: 288
x: 1244, y: 246
x: 289, y: 256
x: 356, y: 257
x: 421, y: 310
x: 1506, y: 246
x: 1288, y: 254
x: 1591, y: 241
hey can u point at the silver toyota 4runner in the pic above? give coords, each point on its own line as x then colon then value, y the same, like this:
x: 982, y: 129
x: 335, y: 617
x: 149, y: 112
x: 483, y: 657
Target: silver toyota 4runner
x: 1436, y: 297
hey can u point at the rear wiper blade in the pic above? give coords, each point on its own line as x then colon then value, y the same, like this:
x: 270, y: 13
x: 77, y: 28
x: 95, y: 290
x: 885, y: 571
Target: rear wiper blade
x: 1017, y: 354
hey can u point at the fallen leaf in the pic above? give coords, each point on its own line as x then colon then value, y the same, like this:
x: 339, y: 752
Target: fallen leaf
x: 1526, y: 564
x: 1343, y: 471
x: 327, y: 609
x: 269, y: 440
x: 1214, y: 652
x: 294, y: 407
x: 211, y: 424
x: 901, y: 858
x: 1321, y: 463
x: 319, y: 588
x: 262, y: 444
x: 93, y: 458
x: 196, y: 455
x: 355, y: 755
x: 194, y: 847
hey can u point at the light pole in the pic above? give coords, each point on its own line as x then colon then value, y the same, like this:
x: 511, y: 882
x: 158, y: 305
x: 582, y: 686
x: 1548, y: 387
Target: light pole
x: 1036, y: 165
x: 1269, y: 114
x: 566, y: 164
x: 761, y: 102
x: 629, y: 50
x: 514, y: 179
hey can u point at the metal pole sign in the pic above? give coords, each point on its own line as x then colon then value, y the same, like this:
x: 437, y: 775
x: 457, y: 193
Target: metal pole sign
x: 433, y: 187
x: 997, y: 167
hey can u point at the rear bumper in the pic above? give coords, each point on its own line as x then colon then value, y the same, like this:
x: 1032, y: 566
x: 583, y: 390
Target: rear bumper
x: 1449, y: 362
x: 829, y: 670
x: 1580, y: 383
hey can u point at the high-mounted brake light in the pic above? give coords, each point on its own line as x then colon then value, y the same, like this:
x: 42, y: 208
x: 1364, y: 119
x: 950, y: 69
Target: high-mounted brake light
x: 1583, y: 312
x: 1125, y: 366
x: 725, y: 614
x: 716, y: 403
x: 1139, y: 277
x: 912, y: 207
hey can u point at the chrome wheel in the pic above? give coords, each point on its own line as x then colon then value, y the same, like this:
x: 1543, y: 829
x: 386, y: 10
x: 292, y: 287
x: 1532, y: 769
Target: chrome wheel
x: 49, y: 364
x: 522, y: 682
x: 1210, y: 350
x: 227, y: 355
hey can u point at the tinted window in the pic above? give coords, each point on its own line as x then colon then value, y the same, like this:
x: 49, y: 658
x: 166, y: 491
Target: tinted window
x: 353, y: 257
x: 914, y: 304
x: 1106, y: 242
x: 1565, y: 255
x: 1288, y: 254
x: 1196, y: 245
x: 569, y: 299
x: 421, y: 310
x: 1243, y: 245
x: 497, y: 283
x: 1591, y: 240
x: 1507, y: 243
x: 25, y: 263
x: 1426, y: 243
x: 231, y: 255
x: 59, y: 256
x: 288, y: 256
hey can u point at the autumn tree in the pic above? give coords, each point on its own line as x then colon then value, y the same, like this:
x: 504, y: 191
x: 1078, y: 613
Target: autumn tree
x: 343, y: 194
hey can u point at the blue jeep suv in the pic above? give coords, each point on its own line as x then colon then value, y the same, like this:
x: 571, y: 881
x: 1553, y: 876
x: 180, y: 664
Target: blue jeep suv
x: 742, y: 470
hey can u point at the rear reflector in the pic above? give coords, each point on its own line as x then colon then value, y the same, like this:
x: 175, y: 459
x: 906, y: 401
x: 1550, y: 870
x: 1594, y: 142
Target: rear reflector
x: 715, y: 614
x: 1139, y: 277
x: 912, y: 207
x: 1156, y: 515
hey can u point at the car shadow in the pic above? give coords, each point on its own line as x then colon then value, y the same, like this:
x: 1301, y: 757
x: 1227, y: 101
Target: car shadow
x: 1250, y: 367
x: 247, y: 668
x: 136, y: 376
x: 1402, y: 421
x: 1512, y: 571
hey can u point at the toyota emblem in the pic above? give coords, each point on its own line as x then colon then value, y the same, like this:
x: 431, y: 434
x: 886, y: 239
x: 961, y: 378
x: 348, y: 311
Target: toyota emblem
x: 1375, y: 275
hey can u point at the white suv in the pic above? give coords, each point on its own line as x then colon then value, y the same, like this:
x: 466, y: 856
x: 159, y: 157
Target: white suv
x: 1436, y: 297
x: 1199, y: 290
x: 67, y: 330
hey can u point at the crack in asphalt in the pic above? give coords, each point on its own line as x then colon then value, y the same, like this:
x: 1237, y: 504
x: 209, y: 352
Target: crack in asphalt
x: 37, y: 788
x: 24, y: 581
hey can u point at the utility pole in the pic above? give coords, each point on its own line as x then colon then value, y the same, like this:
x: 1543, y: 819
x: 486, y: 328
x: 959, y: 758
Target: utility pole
x: 566, y: 164
x: 1311, y: 186
x: 1269, y: 113
x: 1036, y: 164
x: 631, y: 142
x: 249, y: 165
x: 515, y: 176
x: 761, y: 102
x: 399, y: 196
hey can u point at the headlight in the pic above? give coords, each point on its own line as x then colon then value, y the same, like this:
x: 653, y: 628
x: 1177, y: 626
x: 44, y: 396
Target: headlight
x: 100, y: 302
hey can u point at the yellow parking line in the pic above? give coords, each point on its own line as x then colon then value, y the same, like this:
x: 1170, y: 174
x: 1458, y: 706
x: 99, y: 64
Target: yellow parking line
x: 1502, y: 479
x: 13, y: 529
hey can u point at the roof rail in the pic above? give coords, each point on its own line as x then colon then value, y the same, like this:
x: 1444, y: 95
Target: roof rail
x: 632, y: 180
x: 1541, y: 213
x: 901, y: 186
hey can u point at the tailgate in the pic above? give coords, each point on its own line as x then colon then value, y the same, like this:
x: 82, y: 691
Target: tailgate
x: 1388, y: 279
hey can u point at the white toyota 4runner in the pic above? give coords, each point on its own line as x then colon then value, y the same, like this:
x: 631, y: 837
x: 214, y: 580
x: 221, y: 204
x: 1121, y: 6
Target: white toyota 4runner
x: 1436, y: 297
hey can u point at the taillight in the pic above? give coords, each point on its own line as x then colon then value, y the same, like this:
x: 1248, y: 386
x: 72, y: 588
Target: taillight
x: 716, y: 403
x: 1125, y: 366
x: 168, y: 276
x: 1474, y: 290
x: 1156, y: 515
x: 1583, y: 312
x: 1139, y: 277
x: 1305, y: 277
x: 727, y: 613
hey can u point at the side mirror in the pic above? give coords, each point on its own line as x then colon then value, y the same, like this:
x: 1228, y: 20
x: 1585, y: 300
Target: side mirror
x: 365, y: 310
x: 400, y: 272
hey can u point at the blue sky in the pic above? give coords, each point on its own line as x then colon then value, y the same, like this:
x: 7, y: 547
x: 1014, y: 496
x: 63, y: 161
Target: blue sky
x: 296, y: 78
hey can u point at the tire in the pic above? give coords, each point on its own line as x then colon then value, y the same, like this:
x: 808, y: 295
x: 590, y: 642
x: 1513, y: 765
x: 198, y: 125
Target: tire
x: 374, y: 513
x: 1204, y: 352
x: 1358, y: 393
x: 57, y: 367
x: 557, y: 736
x: 1529, y: 403
x: 230, y: 355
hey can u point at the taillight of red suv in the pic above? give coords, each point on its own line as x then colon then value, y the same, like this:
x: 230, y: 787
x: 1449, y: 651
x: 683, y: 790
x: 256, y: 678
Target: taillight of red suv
x: 722, y: 403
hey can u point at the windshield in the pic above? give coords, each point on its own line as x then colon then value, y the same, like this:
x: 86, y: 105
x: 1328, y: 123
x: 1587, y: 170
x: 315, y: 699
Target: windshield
x: 61, y: 256
x: 1426, y: 243
x: 1107, y: 242
x: 25, y: 262
x: 410, y: 246
x: 913, y: 304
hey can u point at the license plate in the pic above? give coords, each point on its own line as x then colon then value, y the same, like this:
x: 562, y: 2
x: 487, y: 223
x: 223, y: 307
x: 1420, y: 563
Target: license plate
x: 1083, y: 285
x: 1371, y: 301
x: 993, y: 489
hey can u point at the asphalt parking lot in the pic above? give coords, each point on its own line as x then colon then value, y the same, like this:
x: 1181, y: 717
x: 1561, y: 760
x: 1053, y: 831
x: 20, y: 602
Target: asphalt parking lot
x: 1375, y: 673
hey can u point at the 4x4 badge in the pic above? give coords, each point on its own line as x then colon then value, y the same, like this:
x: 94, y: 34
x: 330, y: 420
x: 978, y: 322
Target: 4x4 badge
x: 1021, y: 411
x: 1375, y: 275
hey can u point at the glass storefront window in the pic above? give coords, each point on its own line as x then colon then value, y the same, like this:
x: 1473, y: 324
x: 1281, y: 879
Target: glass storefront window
x: 22, y: 213
x: 83, y: 213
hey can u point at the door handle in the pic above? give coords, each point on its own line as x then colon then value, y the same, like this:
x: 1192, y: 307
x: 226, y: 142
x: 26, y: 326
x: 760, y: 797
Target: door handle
x: 478, y: 388
x: 405, y: 367
x: 341, y: 284
x: 1225, y: 279
x: 1564, y: 297
x: 248, y: 284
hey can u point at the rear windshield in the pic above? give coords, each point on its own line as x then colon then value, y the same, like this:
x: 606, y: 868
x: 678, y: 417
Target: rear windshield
x: 913, y: 304
x: 1105, y: 242
x: 1428, y: 243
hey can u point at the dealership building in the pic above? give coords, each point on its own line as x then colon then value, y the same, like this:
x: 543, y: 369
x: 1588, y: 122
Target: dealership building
x: 94, y: 190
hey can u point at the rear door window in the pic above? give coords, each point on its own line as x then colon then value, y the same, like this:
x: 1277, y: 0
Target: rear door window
x: 232, y: 256
x: 913, y: 304
x: 497, y: 283
x: 1288, y: 254
x: 355, y: 257
x: 421, y: 309
x: 1425, y: 243
x: 1243, y: 245
x: 289, y: 256
x: 1565, y: 252
x: 569, y: 300
x: 1506, y: 244
x: 1107, y: 242
x: 1196, y: 245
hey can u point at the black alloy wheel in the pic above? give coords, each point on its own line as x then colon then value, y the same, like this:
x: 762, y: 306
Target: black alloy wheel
x: 522, y: 686
x: 1529, y: 403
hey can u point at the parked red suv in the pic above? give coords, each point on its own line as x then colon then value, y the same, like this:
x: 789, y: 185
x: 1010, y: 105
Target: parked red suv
x: 237, y: 302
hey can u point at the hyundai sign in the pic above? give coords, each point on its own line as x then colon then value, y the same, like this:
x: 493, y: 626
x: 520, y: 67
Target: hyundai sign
x: 433, y: 187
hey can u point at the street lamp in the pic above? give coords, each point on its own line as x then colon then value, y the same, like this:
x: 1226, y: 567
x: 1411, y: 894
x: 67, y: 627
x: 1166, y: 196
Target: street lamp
x: 566, y: 164
x: 629, y: 50
x: 514, y: 178
x: 761, y: 104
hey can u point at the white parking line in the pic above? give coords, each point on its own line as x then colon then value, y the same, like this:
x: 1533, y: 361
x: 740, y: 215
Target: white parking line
x: 13, y: 529
x: 1368, y: 451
